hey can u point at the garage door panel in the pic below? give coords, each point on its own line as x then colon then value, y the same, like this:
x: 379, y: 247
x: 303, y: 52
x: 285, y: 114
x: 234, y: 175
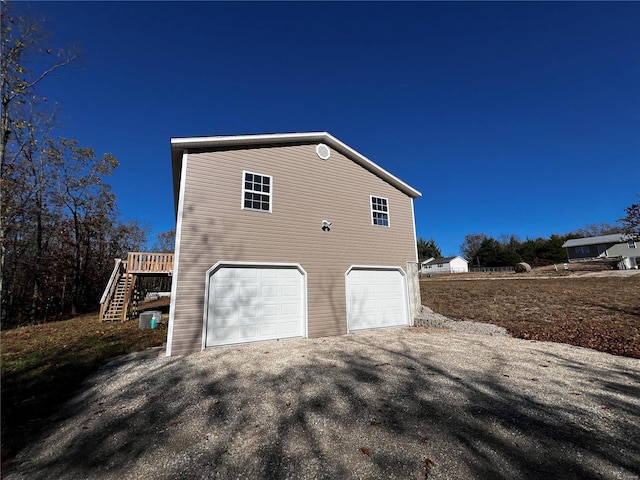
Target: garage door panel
x: 247, y: 272
x: 224, y: 334
x: 269, y: 330
x: 248, y: 312
x: 376, y: 299
x: 225, y: 292
x: 270, y: 310
x: 224, y: 312
x: 248, y: 292
x: 269, y: 291
x: 289, y: 328
x: 290, y: 309
x: 254, y: 303
x: 289, y: 291
x: 273, y: 273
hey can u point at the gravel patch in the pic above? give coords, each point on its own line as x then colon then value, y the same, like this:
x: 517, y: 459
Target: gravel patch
x: 404, y: 403
x: 428, y: 318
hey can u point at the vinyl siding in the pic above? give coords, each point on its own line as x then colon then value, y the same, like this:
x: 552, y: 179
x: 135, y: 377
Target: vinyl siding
x: 305, y: 191
x: 623, y: 250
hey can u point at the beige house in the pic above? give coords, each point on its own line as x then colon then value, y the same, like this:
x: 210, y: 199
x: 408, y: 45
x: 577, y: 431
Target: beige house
x: 285, y: 235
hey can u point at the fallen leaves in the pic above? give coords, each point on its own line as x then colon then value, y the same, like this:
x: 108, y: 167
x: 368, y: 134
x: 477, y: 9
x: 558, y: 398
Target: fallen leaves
x: 428, y: 465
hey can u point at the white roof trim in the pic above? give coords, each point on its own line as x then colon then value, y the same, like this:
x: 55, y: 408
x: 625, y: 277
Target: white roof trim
x: 178, y: 145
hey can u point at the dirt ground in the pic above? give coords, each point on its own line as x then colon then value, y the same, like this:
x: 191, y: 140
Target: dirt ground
x: 599, y: 310
x: 405, y: 403
x: 401, y: 403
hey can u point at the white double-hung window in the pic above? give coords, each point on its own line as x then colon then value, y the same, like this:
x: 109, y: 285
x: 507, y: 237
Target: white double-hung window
x: 379, y: 211
x: 256, y: 191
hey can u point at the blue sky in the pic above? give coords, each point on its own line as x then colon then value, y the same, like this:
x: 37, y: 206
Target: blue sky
x: 509, y: 117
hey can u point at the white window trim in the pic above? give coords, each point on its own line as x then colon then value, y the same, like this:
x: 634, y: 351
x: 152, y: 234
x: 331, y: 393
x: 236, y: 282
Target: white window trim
x: 371, y: 197
x: 244, y: 190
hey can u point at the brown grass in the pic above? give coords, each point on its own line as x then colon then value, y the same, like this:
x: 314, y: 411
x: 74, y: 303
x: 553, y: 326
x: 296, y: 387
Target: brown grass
x: 602, y: 313
x: 44, y: 365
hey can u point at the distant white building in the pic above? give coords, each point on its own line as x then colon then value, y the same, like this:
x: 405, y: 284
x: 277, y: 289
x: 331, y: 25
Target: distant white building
x: 432, y: 266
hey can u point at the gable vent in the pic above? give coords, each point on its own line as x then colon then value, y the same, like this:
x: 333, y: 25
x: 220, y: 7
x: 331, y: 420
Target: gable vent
x: 323, y: 151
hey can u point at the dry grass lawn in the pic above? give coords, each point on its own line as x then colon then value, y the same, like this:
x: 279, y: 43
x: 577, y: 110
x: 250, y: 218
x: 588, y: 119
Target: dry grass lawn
x: 44, y: 365
x: 602, y: 313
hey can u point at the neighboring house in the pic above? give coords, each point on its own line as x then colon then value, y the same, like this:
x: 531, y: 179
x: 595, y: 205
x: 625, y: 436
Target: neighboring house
x: 616, y: 247
x: 455, y: 264
x: 283, y: 236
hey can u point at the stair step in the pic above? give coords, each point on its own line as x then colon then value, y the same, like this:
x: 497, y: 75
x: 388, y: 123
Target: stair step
x: 117, y: 304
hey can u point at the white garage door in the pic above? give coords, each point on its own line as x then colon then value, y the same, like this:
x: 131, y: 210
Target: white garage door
x: 376, y: 299
x: 249, y: 304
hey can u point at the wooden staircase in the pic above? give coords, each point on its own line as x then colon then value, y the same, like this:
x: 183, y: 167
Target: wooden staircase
x: 116, y: 307
x: 119, y: 301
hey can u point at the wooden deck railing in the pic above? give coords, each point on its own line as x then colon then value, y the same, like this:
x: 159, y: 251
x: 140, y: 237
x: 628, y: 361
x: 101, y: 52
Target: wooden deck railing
x: 146, y: 262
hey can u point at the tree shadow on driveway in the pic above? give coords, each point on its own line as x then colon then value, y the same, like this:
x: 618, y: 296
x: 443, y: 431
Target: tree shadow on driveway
x: 400, y: 403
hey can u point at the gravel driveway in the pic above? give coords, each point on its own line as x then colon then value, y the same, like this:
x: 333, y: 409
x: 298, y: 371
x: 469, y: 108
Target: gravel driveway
x: 405, y: 403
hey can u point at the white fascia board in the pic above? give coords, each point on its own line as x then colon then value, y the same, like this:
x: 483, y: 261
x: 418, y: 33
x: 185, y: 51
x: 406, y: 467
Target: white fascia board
x: 179, y: 144
x: 176, y: 256
x: 247, y: 139
x: 415, y: 238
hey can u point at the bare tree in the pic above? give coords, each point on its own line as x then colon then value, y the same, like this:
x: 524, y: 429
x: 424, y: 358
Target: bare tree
x: 471, y: 246
x: 87, y: 199
x: 165, y: 241
x: 22, y: 40
x: 597, y: 229
x: 59, y: 227
x: 631, y: 222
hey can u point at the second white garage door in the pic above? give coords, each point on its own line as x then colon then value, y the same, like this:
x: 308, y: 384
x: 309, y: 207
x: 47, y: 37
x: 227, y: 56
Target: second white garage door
x: 376, y: 298
x: 254, y: 303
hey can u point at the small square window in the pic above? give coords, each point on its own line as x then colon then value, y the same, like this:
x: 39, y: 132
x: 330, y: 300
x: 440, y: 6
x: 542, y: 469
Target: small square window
x: 256, y: 192
x: 379, y: 211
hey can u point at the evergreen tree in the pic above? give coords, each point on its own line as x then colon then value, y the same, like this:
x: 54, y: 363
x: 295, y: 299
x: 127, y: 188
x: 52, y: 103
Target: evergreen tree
x: 428, y: 249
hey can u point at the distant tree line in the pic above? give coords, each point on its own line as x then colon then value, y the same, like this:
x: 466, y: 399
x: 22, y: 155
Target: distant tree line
x: 59, y: 225
x: 482, y: 250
